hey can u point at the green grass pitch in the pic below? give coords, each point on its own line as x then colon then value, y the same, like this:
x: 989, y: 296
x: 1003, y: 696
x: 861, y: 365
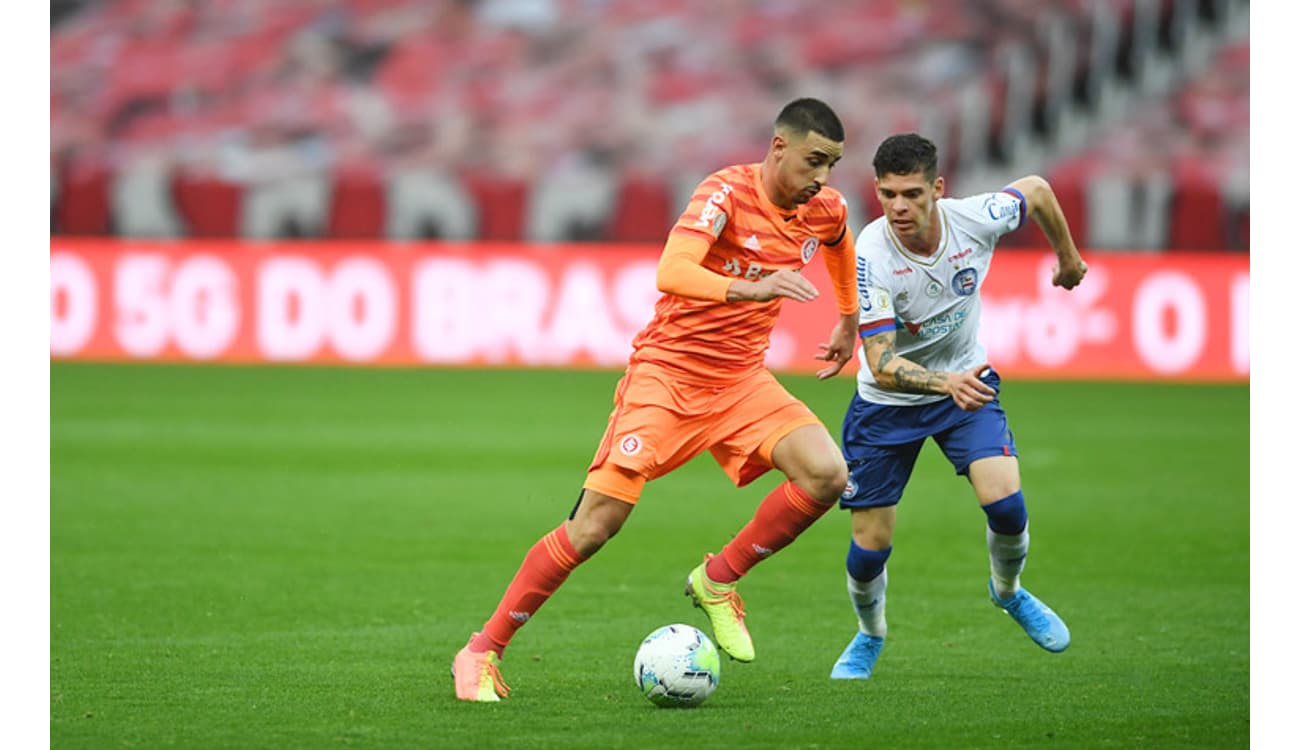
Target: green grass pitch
x: 289, y: 558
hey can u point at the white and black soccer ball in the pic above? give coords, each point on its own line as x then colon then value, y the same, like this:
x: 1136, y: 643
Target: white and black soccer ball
x: 677, y: 666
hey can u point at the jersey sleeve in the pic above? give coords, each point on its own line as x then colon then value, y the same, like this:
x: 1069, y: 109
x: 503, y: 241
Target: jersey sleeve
x: 995, y: 214
x: 839, y: 258
x: 875, y: 300
x: 680, y: 273
x: 710, y: 208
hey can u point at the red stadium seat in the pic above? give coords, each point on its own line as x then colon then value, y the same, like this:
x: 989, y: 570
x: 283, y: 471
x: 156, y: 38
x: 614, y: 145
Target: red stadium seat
x: 642, y: 211
x: 357, y: 204
x: 501, y: 205
x: 1196, y: 220
x: 82, y: 204
x: 208, y: 205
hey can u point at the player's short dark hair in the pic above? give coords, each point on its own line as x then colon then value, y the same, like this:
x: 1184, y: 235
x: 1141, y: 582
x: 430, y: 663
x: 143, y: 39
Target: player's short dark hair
x: 815, y: 115
x: 907, y: 153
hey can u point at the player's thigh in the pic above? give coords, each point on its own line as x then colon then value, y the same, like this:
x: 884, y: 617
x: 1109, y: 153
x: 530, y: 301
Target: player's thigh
x: 644, y: 436
x: 809, y: 457
x: 756, y: 415
x: 881, y: 443
x: 983, y: 433
x: 878, y: 474
x: 994, y: 478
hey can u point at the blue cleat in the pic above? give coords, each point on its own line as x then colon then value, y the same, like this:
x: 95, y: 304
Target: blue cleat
x: 859, y: 658
x: 1043, y: 625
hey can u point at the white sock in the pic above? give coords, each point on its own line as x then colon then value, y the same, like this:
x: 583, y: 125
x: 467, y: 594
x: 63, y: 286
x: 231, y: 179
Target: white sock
x: 1007, y: 559
x: 868, y: 599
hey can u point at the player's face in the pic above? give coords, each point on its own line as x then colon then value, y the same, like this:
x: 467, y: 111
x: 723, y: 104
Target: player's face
x: 804, y: 165
x: 908, y: 201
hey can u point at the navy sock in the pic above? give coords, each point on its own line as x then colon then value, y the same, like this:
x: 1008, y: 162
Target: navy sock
x: 865, y: 564
x: 1008, y: 515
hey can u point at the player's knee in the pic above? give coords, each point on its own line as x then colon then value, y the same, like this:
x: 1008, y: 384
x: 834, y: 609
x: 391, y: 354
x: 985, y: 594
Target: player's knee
x: 590, y: 535
x: 877, y: 537
x: 595, y: 520
x: 826, y: 479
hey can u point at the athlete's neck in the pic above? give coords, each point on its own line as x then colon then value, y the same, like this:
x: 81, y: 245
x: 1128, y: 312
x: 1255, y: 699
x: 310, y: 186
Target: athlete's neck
x: 766, y: 178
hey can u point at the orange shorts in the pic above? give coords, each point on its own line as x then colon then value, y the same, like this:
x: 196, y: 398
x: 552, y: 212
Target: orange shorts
x: 660, y: 423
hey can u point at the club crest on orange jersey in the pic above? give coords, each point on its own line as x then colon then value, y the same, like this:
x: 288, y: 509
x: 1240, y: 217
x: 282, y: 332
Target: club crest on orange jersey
x: 809, y: 249
x: 630, y: 445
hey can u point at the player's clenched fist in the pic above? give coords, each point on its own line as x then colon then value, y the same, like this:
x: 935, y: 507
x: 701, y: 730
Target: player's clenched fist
x: 1068, y: 274
x: 968, y: 391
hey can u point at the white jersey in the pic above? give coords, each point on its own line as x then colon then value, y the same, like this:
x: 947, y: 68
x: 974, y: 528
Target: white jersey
x: 932, y: 302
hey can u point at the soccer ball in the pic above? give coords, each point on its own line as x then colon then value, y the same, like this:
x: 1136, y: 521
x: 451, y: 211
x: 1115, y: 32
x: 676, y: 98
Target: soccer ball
x: 677, y: 666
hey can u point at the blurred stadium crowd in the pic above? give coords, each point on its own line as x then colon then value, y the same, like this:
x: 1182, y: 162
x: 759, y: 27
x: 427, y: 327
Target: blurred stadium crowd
x: 555, y: 120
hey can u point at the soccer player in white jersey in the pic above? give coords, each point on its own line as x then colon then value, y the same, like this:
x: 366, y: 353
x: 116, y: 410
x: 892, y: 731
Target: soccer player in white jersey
x: 924, y: 375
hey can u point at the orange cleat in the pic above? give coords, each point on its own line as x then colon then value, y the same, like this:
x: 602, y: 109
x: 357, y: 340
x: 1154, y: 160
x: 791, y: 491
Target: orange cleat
x: 478, y: 676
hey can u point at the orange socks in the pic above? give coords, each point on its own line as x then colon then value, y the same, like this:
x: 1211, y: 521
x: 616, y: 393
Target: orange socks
x: 545, y: 567
x: 782, y: 516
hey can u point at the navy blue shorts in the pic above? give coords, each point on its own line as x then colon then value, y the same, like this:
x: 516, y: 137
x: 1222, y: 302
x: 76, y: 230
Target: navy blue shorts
x: 881, y: 443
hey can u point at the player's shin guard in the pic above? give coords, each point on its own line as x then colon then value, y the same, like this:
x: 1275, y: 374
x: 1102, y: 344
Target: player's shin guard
x: 781, y: 517
x: 1008, y: 540
x: 867, y: 579
x: 545, y: 568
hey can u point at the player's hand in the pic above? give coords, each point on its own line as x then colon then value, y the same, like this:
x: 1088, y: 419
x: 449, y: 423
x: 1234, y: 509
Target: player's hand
x: 968, y: 391
x: 1068, y: 273
x: 783, y: 283
x: 844, y: 341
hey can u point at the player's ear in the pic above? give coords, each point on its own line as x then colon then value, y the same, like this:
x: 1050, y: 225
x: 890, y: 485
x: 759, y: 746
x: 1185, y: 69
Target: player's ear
x: 938, y: 187
x: 779, y: 142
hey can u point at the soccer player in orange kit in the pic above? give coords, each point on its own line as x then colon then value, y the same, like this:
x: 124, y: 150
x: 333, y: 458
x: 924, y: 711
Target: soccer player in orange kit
x: 696, y: 381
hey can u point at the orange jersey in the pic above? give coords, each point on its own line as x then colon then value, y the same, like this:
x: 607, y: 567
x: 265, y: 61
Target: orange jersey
x: 749, y: 237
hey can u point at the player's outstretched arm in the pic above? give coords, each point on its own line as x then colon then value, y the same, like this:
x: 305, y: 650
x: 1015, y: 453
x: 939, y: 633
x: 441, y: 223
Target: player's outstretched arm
x: 1043, y: 207
x: 896, y: 373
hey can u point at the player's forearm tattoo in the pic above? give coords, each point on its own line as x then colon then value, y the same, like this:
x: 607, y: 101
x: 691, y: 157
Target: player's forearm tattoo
x: 884, y: 344
x: 907, y: 376
x: 918, y: 380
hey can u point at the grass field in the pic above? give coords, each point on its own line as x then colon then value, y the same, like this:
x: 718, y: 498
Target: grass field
x: 289, y: 558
